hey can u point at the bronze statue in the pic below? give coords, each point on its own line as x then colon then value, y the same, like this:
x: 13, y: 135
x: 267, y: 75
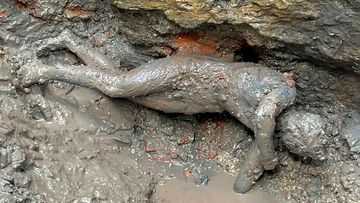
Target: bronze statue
x: 252, y: 93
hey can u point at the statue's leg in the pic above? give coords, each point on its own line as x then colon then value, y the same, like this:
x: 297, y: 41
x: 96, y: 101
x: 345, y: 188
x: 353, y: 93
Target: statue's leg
x: 240, y: 110
x: 252, y: 168
x: 250, y: 171
x: 133, y: 83
x: 66, y: 39
x: 269, y: 108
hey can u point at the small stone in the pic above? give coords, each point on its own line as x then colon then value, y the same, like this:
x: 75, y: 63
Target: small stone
x: 27, y: 90
x: 4, y: 160
x: 154, y: 144
x: 18, y: 157
x: 183, y: 155
x: 22, y: 180
x: 201, y: 179
x: 350, y: 131
x: 100, y: 195
x: 5, y: 129
x: 37, y: 114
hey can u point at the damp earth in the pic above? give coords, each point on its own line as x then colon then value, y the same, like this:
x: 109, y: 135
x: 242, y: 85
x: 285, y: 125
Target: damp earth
x: 65, y: 142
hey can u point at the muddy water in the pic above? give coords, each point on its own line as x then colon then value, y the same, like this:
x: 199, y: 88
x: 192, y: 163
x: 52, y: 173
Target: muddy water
x: 183, y: 190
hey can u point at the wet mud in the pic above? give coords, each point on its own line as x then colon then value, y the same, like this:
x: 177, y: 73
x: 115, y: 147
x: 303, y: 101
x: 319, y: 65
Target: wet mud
x: 219, y: 190
x: 60, y: 142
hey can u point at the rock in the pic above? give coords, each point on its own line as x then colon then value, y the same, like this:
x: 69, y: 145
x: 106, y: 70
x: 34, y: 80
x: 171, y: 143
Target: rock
x: 201, y: 179
x: 21, y: 180
x: 4, y: 160
x: 39, y: 107
x: 5, y: 130
x: 313, y: 190
x: 13, y: 156
x: 304, y: 134
x: 14, y: 183
x: 351, y: 131
x: 18, y: 157
x: 350, y: 180
x: 153, y: 144
x: 228, y: 162
x: 312, y: 29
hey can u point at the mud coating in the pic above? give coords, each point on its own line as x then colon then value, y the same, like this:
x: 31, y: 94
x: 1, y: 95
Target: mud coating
x: 252, y: 93
x: 304, y: 134
x: 81, y: 145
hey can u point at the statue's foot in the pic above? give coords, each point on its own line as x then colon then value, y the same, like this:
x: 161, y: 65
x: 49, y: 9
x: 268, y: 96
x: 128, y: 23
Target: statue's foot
x: 32, y: 72
x: 245, y: 180
x: 251, y: 170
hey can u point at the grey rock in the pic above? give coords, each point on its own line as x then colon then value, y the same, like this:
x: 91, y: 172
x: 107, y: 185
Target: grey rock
x: 5, y: 130
x: 304, y: 134
x: 317, y: 30
x: 351, y: 131
x: 201, y: 179
x: 14, y: 183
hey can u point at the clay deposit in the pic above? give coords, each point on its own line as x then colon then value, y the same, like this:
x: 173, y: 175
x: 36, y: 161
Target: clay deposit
x: 62, y: 142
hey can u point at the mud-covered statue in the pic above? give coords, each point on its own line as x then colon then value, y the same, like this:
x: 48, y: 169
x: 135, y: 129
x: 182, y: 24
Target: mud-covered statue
x: 252, y: 93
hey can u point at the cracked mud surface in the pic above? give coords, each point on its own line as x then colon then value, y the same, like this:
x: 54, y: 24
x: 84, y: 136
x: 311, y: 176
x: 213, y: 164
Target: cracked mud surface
x: 64, y: 143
